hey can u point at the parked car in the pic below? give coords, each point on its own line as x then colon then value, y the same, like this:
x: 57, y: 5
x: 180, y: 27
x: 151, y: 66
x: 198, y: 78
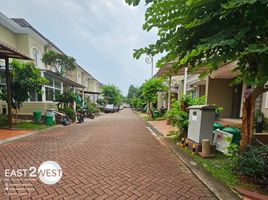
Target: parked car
x: 121, y: 107
x: 109, y: 108
x: 116, y: 108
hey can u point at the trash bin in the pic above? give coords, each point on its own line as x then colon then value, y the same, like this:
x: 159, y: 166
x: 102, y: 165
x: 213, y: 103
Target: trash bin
x: 48, y: 120
x: 37, y: 116
x: 201, y: 119
x: 235, y: 132
x: 51, y: 113
x: 217, y: 125
x: 156, y: 113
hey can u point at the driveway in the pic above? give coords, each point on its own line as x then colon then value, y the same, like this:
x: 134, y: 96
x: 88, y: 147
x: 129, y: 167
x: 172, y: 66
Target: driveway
x: 111, y: 157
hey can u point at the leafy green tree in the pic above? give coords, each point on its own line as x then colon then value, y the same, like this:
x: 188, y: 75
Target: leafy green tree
x: 149, y: 92
x: 61, y: 63
x: 210, y: 33
x: 112, y: 94
x: 132, y: 92
x: 25, y: 79
x: 102, y: 102
x: 64, y: 99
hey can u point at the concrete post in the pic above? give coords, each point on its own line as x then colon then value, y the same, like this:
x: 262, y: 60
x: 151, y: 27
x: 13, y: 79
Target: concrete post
x: 185, y: 80
x: 169, y: 92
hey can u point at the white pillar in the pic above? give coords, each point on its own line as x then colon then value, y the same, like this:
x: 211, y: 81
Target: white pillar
x: 43, y: 89
x: 169, y: 92
x: 185, y: 80
x: 83, y: 96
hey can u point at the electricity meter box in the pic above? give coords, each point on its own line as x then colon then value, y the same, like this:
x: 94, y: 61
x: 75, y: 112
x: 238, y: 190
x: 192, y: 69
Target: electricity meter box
x: 201, y: 119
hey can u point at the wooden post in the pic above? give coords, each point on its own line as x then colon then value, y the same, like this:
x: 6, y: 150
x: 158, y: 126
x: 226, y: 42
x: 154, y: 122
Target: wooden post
x: 8, y: 93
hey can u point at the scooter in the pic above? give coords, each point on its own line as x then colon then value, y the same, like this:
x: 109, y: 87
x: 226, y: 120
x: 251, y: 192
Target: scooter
x: 80, y: 116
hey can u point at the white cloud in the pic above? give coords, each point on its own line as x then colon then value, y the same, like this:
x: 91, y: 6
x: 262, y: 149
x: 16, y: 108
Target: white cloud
x: 100, y: 34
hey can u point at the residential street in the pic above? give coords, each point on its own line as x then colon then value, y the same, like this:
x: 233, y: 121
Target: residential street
x: 111, y: 157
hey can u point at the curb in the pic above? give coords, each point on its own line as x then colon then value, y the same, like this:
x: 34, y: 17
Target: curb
x: 220, y: 190
x: 16, y: 138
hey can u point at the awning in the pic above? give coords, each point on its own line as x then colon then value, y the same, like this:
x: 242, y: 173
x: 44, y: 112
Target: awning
x: 167, y: 70
x: 89, y: 92
x: 224, y: 71
x: 66, y: 81
x: 9, y: 52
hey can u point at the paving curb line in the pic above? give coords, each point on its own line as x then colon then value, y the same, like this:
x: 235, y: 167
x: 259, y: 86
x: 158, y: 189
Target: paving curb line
x: 220, y: 190
x: 31, y: 133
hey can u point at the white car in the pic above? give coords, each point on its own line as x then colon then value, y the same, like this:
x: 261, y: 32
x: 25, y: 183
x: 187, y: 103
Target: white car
x: 109, y: 108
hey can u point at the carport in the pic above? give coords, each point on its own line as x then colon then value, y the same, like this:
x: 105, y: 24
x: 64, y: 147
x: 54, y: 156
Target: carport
x: 6, y: 53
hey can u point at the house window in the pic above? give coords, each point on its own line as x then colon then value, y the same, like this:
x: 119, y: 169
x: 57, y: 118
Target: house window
x: 50, y: 80
x: 53, y: 88
x: 36, y: 57
x: 78, y: 77
x: 49, y: 94
x: 57, y: 84
x: 34, y: 96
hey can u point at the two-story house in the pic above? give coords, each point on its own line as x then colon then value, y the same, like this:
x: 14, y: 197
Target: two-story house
x: 20, y: 35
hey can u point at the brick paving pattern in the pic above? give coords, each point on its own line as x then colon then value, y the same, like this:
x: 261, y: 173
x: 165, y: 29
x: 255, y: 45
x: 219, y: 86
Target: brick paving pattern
x: 111, y: 157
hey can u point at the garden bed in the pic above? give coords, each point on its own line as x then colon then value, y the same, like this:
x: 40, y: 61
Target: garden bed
x: 221, y: 167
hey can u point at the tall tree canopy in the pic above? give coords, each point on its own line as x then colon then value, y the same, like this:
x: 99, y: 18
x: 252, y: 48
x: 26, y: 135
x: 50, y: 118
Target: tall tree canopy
x: 61, y: 63
x: 132, y: 90
x: 112, y: 94
x: 208, y: 33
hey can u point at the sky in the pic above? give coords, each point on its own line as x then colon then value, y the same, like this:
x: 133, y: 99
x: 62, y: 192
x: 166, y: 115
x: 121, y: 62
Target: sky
x: 99, y: 34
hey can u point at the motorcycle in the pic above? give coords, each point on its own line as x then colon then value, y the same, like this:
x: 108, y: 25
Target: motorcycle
x: 88, y: 114
x: 80, y: 116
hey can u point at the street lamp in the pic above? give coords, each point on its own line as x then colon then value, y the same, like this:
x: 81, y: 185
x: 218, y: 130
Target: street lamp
x: 149, y: 59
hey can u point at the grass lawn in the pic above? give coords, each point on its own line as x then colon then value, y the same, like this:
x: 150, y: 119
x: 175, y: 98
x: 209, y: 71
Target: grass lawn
x: 221, y: 167
x: 146, y: 117
x: 31, y: 125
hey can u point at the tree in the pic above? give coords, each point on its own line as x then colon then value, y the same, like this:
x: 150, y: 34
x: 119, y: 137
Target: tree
x: 210, y: 33
x: 61, y: 63
x: 132, y: 90
x: 149, y: 92
x: 64, y: 99
x: 25, y: 79
x: 112, y: 94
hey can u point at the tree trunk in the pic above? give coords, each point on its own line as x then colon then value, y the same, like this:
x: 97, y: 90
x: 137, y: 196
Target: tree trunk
x: 150, y: 111
x: 248, y: 111
x: 16, y: 115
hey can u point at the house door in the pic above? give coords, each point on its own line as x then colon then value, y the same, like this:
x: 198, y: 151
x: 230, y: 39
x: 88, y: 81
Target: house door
x: 236, y: 102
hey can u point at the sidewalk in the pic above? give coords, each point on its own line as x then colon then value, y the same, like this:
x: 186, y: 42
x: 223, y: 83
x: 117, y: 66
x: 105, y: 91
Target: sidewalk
x: 163, y: 127
x: 6, y: 133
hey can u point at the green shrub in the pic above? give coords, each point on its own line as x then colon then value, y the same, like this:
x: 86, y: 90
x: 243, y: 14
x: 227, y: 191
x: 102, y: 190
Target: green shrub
x: 92, y: 107
x: 69, y: 112
x: 3, y: 120
x: 179, y: 113
x: 253, y: 162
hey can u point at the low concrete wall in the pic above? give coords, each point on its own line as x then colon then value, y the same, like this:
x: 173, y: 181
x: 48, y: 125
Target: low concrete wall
x: 29, y: 107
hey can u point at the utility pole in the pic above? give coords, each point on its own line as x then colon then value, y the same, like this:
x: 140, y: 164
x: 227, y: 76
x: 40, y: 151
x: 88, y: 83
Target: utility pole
x: 150, y: 60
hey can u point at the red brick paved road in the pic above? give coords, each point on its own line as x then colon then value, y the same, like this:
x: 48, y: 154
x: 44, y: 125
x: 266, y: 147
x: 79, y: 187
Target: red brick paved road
x: 111, y: 157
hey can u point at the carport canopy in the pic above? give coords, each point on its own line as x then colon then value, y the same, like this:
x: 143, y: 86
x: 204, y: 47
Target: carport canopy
x: 7, y: 52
